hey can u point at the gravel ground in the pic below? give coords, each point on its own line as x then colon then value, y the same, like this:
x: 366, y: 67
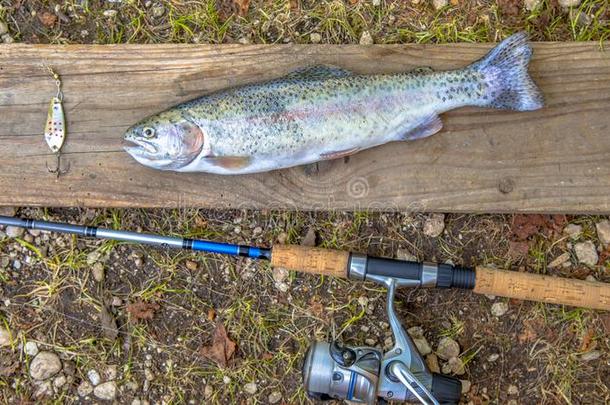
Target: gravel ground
x: 92, y: 321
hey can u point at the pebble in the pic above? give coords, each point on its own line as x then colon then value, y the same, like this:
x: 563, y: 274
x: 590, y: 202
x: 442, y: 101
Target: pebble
x: 116, y: 302
x: 279, y: 274
x: 8, y: 211
x: 275, y: 397
x: 191, y: 265
x: 158, y: 10
x: 34, y: 232
x: 493, y: 357
x: 250, y: 388
x: 3, y: 30
x: 148, y: 374
x: 315, y: 38
x: 7, y: 39
x: 603, y: 232
x: 366, y: 38
x: 590, y: 356
x: 447, y: 348
x: 59, y: 381
x: 423, y: 347
x: 404, y: 254
x: 17, y: 264
x: 456, y: 365
x: 44, y: 365
x: 438, y: 4
x: 4, y: 262
x: 434, y: 225
x: 93, y: 257
x: 31, y: 348
x: 466, y: 384
x: 98, y: 272
x: 106, y: 391
x: 257, y: 231
x: 586, y: 253
x: 94, y: 377
x: 110, y: 13
x: 84, y: 388
x: 5, y: 337
x: 499, y: 308
x: 569, y: 3
x: 370, y: 342
x: 531, y: 5
x: 44, y: 389
x: 208, y: 391
x: 559, y: 260
x: 573, y: 231
x: 432, y: 362
x: 513, y: 390
x: 14, y: 231
x: 110, y: 372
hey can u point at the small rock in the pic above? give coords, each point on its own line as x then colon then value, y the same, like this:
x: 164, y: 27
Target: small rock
x: 499, y: 308
x: 44, y: 365
x: 603, y: 232
x: 116, y: 302
x: 34, y: 232
x: 98, y: 272
x: 45, y: 389
x: 466, y: 384
x: 31, y: 348
x: 512, y: 390
x: 447, y: 348
x: 158, y: 10
x: 17, y: 264
x: 590, y: 356
x: 14, y: 231
x: 110, y: 372
x: 370, y: 342
x: 208, y: 391
x: 310, y: 238
x: 376, y: 3
x: 559, y: 260
x: 84, y: 388
x: 456, y: 365
x: 148, y: 374
x: 4, y: 30
x: 573, y: 231
x: 423, y: 347
x: 280, y: 274
x: 7, y: 39
x: 315, y: 38
x: 138, y: 262
x: 8, y: 211
x: 106, y: 391
x: 569, y: 3
x: 404, y: 254
x: 446, y: 369
x: 432, y: 362
x: 275, y: 397
x: 94, y: 377
x: 388, y: 343
x: 586, y: 253
x: 93, y: 257
x: 416, y: 332
x: 438, y: 4
x: 191, y: 265
x: 434, y: 225
x: 59, y: 381
x: 257, y: 231
x: 531, y: 5
x: 366, y: 38
x: 493, y: 357
x: 5, y: 337
x: 110, y: 13
x: 250, y: 388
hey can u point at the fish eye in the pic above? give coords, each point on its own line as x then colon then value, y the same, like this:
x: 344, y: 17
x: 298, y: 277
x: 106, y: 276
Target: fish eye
x: 148, y: 132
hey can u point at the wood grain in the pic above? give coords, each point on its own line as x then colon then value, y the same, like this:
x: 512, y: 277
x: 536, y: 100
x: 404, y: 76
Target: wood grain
x: 553, y: 160
x: 312, y: 260
x: 536, y: 287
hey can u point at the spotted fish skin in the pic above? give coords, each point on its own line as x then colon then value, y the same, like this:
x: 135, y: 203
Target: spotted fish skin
x: 325, y: 112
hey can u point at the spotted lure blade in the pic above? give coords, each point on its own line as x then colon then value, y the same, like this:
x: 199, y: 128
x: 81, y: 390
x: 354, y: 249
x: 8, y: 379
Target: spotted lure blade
x: 325, y: 112
x: 55, y: 128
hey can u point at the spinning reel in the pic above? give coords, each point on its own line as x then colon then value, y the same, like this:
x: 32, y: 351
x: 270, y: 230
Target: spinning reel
x: 367, y: 375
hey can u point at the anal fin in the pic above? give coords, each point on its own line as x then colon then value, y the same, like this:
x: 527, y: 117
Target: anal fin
x: 429, y: 125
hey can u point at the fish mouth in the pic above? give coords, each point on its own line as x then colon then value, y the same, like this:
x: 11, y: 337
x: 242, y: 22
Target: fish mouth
x: 139, y: 147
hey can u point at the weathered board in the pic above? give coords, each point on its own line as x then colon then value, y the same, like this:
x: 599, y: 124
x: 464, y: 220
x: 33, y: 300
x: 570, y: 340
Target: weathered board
x: 553, y: 160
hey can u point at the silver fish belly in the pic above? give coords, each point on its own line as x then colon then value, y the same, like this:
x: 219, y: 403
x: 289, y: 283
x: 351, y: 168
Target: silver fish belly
x: 325, y: 112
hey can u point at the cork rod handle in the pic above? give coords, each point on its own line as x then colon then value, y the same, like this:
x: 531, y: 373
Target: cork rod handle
x: 536, y: 287
x: 310, y: 260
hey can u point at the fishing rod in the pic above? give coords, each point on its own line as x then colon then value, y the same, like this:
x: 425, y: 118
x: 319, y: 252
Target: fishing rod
x: 365, y: 374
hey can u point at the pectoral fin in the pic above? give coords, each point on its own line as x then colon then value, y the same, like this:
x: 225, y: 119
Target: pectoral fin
x: 228, y: 162
x: 429, y: 125
x: 338, y: 154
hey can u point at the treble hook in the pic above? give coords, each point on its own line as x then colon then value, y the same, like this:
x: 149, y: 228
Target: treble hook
x: 58, y: 170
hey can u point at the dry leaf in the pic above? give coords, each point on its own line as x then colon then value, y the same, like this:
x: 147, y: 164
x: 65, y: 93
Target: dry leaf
x: 518, y: 250
x: 7, y: 371
x: 529, y: 333
x: 241, y: 7
x: 142, y: 310
x: 587, y: 338
x: 222, y: 348
x: 109, y: 326
x: 211, y: 314
x: 47, y: 19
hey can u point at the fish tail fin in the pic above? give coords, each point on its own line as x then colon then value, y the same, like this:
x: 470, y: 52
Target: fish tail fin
x: 508, y: 83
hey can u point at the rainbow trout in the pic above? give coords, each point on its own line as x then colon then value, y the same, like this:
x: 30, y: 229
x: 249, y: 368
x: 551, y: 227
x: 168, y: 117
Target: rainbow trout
x: 325, y: 112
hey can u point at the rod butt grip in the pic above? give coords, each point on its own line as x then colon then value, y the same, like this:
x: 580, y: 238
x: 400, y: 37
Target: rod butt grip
x: 310, y: 260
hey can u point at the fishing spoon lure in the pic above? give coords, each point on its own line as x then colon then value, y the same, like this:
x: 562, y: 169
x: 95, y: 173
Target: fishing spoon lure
x: 55, y: 127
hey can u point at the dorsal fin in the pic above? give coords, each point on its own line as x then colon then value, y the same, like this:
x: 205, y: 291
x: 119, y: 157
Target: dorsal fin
x: 319, y: 72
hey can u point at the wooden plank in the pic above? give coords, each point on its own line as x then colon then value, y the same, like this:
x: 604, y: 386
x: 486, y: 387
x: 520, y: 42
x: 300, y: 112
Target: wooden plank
x: 553, y: 160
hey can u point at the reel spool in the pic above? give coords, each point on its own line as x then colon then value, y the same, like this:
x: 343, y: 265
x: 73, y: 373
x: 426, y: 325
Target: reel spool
x: 367, y: 375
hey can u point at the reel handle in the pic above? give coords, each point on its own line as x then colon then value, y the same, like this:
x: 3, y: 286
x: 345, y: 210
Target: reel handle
x: 537, y: 287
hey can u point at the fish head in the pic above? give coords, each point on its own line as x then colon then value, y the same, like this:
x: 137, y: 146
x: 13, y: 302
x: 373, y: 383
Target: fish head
x: 167, y: 141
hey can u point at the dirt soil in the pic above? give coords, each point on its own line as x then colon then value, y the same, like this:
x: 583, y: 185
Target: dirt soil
x: 147, y: 325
